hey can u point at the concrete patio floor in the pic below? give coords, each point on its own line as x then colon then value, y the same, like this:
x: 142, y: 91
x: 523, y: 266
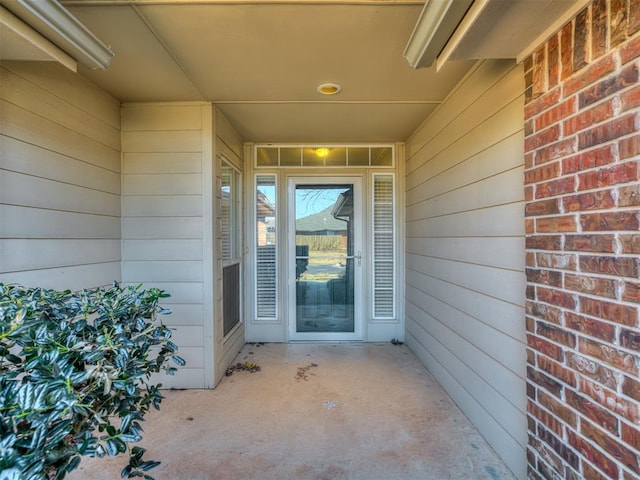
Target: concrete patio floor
x: 314, y: 411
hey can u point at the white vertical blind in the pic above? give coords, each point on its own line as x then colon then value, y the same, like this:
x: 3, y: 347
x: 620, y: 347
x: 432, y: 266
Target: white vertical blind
x: 226, y: 210
x: 383, y: 247
x: 265, y: 241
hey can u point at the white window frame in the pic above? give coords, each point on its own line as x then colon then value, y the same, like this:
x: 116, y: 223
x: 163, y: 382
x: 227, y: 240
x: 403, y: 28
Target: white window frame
x: 302, y: 146
x: 358, y: 229
x: 255, y: 248
x: 236, y: 214
x: 236, y: 235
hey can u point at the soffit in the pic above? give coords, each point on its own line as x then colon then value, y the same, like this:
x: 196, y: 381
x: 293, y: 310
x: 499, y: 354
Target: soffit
x: 260, y: 63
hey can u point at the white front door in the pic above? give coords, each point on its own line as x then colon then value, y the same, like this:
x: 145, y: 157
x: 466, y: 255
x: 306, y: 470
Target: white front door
x: 325, y: 258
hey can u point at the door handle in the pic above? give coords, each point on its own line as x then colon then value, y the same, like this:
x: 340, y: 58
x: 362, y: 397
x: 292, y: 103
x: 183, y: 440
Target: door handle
x: 358, y: 257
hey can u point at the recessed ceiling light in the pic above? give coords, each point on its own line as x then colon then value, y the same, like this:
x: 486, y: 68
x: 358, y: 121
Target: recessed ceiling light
x: 329, y: 88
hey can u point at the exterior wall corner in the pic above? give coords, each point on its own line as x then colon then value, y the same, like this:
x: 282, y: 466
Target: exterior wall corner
x: 582, y: 190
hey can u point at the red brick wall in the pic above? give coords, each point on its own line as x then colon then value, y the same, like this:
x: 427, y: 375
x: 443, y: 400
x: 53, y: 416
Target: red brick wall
x: 582, y: 151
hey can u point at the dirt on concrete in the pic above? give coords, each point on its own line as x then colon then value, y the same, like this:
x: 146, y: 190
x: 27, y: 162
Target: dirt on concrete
x: 313, y: 412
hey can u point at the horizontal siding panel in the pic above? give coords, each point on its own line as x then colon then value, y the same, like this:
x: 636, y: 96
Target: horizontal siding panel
x: 163, y: 223
x: 451, y: 375
x: 161, y: 184
x: 459, y: 352
x: 478, y: 340
x: 162, y: 117
x: 162, y: 227
x: 176, y: 249
x: 485, y: 135
x: 60, y: 179
x: 193, y: 356
x: 500, y: 189
x: 188, y: 335
x: 162, y: 141
x: 503, y: 316
x: 39, y: 100
x: 181, y: 293
x: 465, y: 252
x: 507, y: 285
x: 184, y: 378
x: 178, y: 162
x: 492, y: 85
x: 24, y: 222
x: 33, y: 160
x: 162, y: 271
x: 19, y: 189
x: 72, y: 278
x: 478, y: 166
x: 70, y: 87
x: 30, y: 128
x: 500, y: 252
x: 163, y: 206
x: 33, y: 254
x: 500, y: 221
x: 182, y: 314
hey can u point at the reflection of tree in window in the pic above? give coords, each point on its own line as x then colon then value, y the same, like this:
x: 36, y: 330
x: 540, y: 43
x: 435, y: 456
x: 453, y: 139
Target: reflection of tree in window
x: 265, y: 219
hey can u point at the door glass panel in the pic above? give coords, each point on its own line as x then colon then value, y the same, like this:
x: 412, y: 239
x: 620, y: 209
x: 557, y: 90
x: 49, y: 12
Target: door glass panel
x: 324, y: 258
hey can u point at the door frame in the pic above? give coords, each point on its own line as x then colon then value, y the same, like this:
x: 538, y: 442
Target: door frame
x: 290, y: 257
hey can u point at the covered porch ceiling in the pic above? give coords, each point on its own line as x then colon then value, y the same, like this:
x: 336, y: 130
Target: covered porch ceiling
x: 261, y: 62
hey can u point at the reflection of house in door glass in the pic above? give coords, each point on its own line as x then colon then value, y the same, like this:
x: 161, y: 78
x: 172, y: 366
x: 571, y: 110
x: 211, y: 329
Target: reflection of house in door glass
x: 266, y: 228
x: 324, y: 263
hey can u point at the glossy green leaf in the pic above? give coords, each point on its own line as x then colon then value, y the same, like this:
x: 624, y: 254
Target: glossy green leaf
x: 79, y: 358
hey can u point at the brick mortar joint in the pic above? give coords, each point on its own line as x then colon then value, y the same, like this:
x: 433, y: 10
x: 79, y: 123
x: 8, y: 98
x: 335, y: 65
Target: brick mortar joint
x: 593, y: 444
x: 583, y: 395
x: 600, y: 275
x: 576, y: 175
x: 598, y: 361
x: 577, y: 310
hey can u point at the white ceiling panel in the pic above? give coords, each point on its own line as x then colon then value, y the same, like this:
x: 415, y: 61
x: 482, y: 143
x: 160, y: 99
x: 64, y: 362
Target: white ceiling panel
x: 309, y: 123
x: 141, y: 70
x: 262, y: 62
x: 282, y: 51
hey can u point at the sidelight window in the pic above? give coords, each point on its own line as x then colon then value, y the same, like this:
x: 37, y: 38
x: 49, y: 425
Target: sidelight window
x: 383, y: 247
x: 266, y: 248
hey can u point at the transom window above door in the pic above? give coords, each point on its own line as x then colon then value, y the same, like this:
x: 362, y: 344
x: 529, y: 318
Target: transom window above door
x: 370, y: 156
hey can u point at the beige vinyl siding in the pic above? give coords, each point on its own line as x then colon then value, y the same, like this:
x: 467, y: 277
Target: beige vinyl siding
x: 228, y: 145
x: 165, y: 154
x: 59, y: 179
x: 465, y: 280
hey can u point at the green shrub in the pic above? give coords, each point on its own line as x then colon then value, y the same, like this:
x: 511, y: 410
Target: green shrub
x: 75, y: 376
